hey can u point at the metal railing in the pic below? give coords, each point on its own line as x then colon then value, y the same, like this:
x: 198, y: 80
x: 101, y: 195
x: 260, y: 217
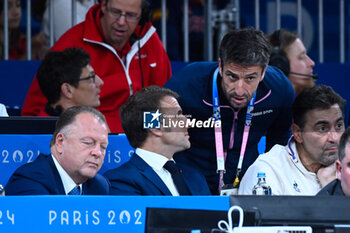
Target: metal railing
x: 213, y: 18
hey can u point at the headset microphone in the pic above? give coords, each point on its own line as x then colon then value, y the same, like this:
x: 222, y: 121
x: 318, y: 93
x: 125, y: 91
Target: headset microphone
x: 314, y: 76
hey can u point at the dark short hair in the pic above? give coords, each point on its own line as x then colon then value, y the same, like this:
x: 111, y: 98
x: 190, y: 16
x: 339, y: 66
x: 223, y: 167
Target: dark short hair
x: 245, y: 47
x: 344, y: 140
x: 146, y: 100
x: 60, y: 67
x: 317, y: 97
x: 69, y: 115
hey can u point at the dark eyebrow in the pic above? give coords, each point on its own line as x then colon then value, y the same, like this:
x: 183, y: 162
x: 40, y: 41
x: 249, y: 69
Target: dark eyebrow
x: 340, y: 119
x: 327, y: 122
x: 228, y: 72
x: 322, y: 122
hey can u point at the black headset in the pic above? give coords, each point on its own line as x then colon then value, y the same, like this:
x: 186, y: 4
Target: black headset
x: 277, y: 58
x: 146, y: 13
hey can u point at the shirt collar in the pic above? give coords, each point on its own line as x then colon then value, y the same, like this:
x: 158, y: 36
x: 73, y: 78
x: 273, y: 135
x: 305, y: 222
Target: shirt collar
x: 68, y: 182
x: 156, y: 161
x: 292, y: 150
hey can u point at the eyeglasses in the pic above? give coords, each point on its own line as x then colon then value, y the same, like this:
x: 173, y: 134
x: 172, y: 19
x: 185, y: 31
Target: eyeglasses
x: 129, y: 17
x: 92, y: 76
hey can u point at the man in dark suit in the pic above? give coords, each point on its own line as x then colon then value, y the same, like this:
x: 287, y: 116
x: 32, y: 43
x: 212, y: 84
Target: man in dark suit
x: 153, y: 122
x: 77, y: 148
x: 341, y: 185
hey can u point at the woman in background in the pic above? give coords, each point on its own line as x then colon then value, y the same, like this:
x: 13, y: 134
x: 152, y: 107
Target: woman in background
x: 17, y: 40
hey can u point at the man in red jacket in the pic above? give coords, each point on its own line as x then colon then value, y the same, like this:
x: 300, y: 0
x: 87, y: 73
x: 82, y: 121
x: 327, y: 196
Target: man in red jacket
x: 125, y: 51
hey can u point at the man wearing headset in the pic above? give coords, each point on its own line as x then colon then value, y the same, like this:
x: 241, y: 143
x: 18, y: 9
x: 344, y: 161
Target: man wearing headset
x: 289, y: 55
x: 306, y: 163
x: 247, y: 99
x: 125, y: 50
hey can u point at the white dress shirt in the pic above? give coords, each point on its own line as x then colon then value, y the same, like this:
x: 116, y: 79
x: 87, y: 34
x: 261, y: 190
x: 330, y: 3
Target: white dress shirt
x: 67, y: 181
x: 157, y: 161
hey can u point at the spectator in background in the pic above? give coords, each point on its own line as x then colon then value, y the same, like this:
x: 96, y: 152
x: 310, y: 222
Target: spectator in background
x: 341, y: 185
x: 289, y: 54
x: 62, y: 16
x: 174, y: 23
x: 306, y: 163
x: 151, y: 170
x: 3, y: 112
x: 67, y: 79
x: 125, y: 52
x: 17, y: 40
x: 228, y: 91
x: 78, y: 148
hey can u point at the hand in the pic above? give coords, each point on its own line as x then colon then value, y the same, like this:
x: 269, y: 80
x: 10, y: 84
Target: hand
x: 39, y: 46
x: 326, y: 174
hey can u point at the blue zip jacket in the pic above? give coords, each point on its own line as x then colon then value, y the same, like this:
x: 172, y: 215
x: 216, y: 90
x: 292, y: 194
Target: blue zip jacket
x: 272, y: 117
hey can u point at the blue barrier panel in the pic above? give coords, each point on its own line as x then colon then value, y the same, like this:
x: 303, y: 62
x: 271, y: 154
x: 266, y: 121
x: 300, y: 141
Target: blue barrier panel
x: 17, y: 76
x: 16, y: 150
x: 32, y: 214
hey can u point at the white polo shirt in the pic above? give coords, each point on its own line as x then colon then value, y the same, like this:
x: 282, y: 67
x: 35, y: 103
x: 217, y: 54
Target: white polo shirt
x: 285, y: 173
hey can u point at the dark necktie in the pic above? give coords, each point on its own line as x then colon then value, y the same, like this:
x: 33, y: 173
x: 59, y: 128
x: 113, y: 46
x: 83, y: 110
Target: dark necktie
x: 75, y: 191
x: 177, y: 177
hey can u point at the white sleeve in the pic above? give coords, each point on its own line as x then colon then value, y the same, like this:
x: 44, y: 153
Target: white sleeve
x: 3, y: 111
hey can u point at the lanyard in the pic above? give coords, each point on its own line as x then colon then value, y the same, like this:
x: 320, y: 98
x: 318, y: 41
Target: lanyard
x: 220, y: 158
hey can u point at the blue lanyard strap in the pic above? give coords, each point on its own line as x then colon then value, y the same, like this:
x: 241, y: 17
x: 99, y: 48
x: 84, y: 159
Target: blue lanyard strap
x: 220, y: 159
x: 217, y: 128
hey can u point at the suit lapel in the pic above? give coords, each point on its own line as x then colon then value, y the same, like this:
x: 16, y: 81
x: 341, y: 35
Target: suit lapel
x: 148, y: 172
x: 57, y: 181
x: 188, y: 177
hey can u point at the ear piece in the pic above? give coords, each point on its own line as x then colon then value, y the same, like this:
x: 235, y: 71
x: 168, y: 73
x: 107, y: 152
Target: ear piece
x: 146, y: 13
x: 277, y: 59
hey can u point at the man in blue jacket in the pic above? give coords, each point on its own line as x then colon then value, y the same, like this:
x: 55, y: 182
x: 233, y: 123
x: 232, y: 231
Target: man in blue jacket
x: 78, y: 149
x: 244, y: 97
x: 154, y: 124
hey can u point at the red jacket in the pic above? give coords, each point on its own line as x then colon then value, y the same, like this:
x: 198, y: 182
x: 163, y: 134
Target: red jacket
x: 156, y: 69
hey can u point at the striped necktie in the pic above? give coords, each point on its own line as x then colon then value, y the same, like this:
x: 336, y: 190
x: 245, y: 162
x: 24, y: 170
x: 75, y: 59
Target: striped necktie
x: 75, y: 191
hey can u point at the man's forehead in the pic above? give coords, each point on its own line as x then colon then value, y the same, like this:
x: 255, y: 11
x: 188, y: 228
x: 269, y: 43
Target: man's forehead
x: 168, y: 101
x: 117, y: 4
x: 82, y: 118
x: 237, y: 68
x: 329, y: 115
